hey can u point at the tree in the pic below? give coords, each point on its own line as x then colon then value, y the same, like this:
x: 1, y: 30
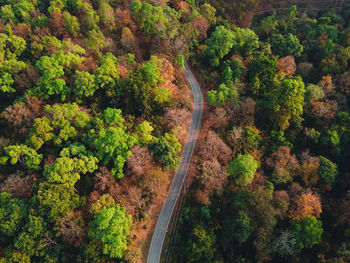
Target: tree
x: 112, y: 143
x: 218, y: 45
x: 223, y: 94
x: 107, y: 74
x: 152, y: 19
x: 56, y: 200
x: 165, y: 149
x: 313, y: 93
x: 285, y: 102
x: 308, y: 231
x: 111, y: 226
x: 105, y: 201
x: 72, y: 24
x: 328, y: 170
x: 145, y: 86
x: 243, y: 169
x: 13, y: 212
x: 285, y: 245
x: 84, y: 83
x: 286, y: 45
x: 72, y: 229
x: 208, y: 12
x: 106, y: 14
x: 25, y: 155
x: 201, y: 247
x: 307, y: 204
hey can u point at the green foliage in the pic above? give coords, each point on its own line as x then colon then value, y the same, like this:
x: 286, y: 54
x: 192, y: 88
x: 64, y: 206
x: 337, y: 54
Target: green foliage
x: 144, y: 133
x: 208, y: 12
x: 152, y: 19
x: 72, y: 24
x: 13, y: 212
x: 56, y: 200
x: 112, y: 143
x: 308, y: 231
x: 201, y: 247
x: 105, y: 201
x: 111, y: 226
x: 252, y: 139
x: 107, y: 73
x: 41, y: 132
x: 286, y: 45
x: 30, y: 240
x: 25, y: 155
x: 165, y: 149
x: 145, y: 85
x: 313, y: 93
x: 7, y: 69
x: 84, y: 83
x: 218, y: 45
x: 243, y: 169
x: 328, y: 170
x: 180, y: 61
x: 52, y: 69
x: 285, y: 102
x: 223, y: 94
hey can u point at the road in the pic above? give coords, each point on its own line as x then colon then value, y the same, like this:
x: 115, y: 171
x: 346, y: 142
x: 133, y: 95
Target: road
x: 175, y: 188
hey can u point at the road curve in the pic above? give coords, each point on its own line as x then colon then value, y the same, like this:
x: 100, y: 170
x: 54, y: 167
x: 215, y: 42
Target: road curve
x: 164, y: 218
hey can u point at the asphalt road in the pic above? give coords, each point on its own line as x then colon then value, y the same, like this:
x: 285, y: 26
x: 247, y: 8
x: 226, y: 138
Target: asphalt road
x: 175, y: 188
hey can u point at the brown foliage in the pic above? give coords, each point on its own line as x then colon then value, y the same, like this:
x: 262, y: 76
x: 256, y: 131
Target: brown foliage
x: 21, y: 115
x: 89, y: 64
x: 175, y: 117
x: 123, y: 17
x: 201, y: 25
x: 286, y: 65
x: 18, y: 185
x: 72, y: 228
x: 345, y: 209
x: 21, y: 30
x: 103, y: 180
x: 213, y: 148
x: 308, y: 169
x: 281, y: 194
x: 243, y: 112
x: 343, y: 82
x: 27, y: 78
x: 139, y: 160
x: 284, y: 165
x: 307, y: 203
x: 56, y: 24
x: 155, y: 181
x: 127, y: 39
x: 324, y: 109
x: 326, y: 84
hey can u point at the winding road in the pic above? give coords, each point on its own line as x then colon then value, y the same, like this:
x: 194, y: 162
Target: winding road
x: 175, y: 188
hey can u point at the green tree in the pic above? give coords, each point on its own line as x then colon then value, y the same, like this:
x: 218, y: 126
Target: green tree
x: 201, y: 247
x: 208, y: 12
x: 286, y: 45
x: 308, y: 231
x: 285, y: 102
x: 30, y: 240
x: 13, y: 212
x: 222, y: 95
x: 218, y: 45
x: 243, y: 169
x: 72, y: 24
x: 165, y: 149
x: 111, y: 226
x: 111, y: 142
x: 25, y: 155
x: 84, y: 84
x: 328, y: 170
x: 107, y: 73
x: 152, y: 19
x: 56, y: 200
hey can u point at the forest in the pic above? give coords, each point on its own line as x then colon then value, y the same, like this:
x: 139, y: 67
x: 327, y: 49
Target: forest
x: 95, y: 111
